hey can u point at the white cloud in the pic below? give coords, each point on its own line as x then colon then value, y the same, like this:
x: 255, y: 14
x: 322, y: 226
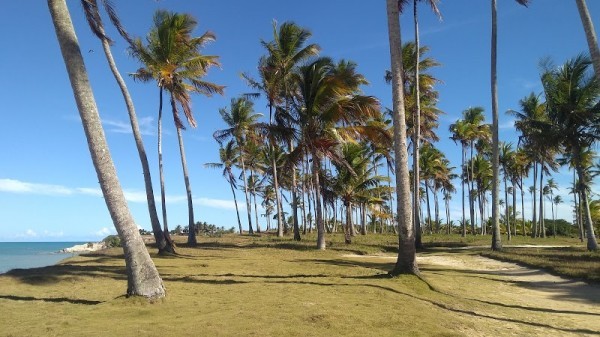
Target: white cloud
x: 134, y: 196
x: 217, y: 203
x: 104, y: 231
x: 146, y: 125
x: 16, y: 186
x: 30, y: 233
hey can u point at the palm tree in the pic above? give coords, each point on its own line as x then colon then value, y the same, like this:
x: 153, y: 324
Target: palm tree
x: 556, y: 201
x: 328, y: 109
x: 355, y: 181
x: 406, y: 262
x: 590, y: 34
x: 506, y: 159
x: 228, y: 156
x: 574, y: 113
x: 285, y: 52
x: 551, y: 186
x: 173, y: 60
x: 95, y: 21
x: 241, y: 121
x: 417, y: 114
x: 459, y: 131
x: 142, y: 276
x: 496, y: 239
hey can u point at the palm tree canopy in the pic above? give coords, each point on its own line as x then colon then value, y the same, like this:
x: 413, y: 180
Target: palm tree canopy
x: 171, y: 57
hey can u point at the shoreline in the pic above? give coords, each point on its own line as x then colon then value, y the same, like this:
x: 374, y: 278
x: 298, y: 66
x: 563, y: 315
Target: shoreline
x: 85, y: 248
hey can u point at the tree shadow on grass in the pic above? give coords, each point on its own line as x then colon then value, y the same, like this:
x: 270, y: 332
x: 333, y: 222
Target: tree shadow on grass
x: 49, y: 299
x: 58, y: 273
x: 443, y: 305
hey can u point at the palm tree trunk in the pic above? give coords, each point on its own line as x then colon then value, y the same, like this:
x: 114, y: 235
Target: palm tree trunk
x: 590, y: 34
x: 514, y: 205
x: 188, y: 189
x: 303, y: 200
x: 576, y: 205
x: 592, y: 244
x: 279, y: 208
x: 237, y: 211
x: 319, y: 212
x: 161, y: 174
x: 142, y: 276
x: 159, y: 237
x: 464, y: 223
x: 406, y: 262
x: 429, y: 225
x: 436, y: 209
x: 553, y: 217
x: 416, y: 133
x: 523, y: 207
x: 496, y: 238
x: 295, y: 201
x: 471, y: 180
x: 506, y: 213
x: 534, y: 227
x: 542, y: 226
x: 248, y: 203
x: 347, y: 228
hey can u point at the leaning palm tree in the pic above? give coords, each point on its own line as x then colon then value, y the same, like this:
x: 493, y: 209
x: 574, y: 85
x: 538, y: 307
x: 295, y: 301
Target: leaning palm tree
x: 590, y: 34
x: 142, y: 276
x: 95, y: 21
x: 172, y: 59
x: 496, y: 239
x: 406, y: 262
x: 572, y: 98
x: 228, y: 156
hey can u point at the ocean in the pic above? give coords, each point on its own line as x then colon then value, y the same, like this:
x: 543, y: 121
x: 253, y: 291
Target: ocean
x: 32, y: 254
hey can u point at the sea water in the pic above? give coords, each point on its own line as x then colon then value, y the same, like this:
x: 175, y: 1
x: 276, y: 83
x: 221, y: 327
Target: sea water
x: 32, y: 254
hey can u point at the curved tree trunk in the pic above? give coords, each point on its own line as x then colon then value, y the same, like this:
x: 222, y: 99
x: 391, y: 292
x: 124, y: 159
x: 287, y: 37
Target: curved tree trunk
x: 590, y: 34
x: 142, y: 276
x: 496, y: 238
x: 406, y: 262
x: 186, y: 178
x: 161, y: 242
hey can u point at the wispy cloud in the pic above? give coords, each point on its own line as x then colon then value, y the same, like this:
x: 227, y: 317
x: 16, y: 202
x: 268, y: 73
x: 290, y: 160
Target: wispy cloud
x: 146, y: 125
x: 134, y: 196
x: 104, y: 231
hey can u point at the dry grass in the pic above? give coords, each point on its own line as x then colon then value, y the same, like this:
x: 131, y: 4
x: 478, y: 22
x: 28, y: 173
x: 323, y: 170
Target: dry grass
x: 255, y: 286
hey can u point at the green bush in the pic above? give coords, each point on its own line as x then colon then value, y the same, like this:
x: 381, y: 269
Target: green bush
x: 112, y: 241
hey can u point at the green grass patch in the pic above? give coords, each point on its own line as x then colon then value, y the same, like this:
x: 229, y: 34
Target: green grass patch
x: 572, y: 262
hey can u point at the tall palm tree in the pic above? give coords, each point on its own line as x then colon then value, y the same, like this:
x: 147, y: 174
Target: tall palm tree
x: 556, y: 201
x: 406, y: 262
x: 506, y: 158
x: 590, y: 34
x: 572, y: 97
x: 285, y: 52
x: 417, y: 114
x: 551, y: 186
x: 95, y: 21
x: 172, y: 59
x: 241, y: 121
x: 142, y: 276
x: 228, y: 156
x: 328, y: 109
x: 496, y: 238
x: 459, y: 132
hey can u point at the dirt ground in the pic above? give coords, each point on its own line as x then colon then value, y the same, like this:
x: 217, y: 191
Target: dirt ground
x: 515, y: 296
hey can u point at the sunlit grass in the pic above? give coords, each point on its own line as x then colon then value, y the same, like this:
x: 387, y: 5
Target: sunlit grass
x: 251, y: 286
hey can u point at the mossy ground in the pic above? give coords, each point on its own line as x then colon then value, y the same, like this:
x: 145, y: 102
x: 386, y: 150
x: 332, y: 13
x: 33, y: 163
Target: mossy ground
x: 264, y: 286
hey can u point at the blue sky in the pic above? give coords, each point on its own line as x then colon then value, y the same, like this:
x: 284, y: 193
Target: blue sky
x: 48, y: 187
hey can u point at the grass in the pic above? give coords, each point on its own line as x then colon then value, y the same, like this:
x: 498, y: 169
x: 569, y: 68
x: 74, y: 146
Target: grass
x: 572, y: 262
x: 260, y: 286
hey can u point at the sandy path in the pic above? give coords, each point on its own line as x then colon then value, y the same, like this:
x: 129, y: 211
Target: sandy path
x: 556, y: 306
